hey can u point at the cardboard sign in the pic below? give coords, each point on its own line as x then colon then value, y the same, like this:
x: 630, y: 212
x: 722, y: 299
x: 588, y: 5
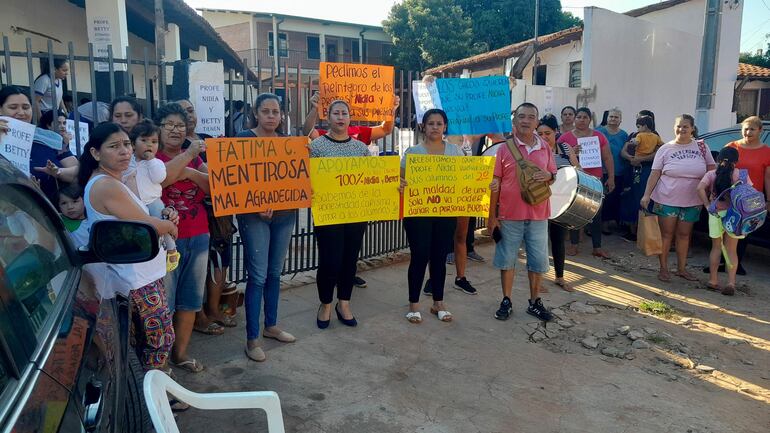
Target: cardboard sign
x: 367, y: 88
x: 16, y: 144
x: 425, y: 97
x: 476, y: 105
x: 207, y: 94
x: 249, y: 174
x: 83, y: 130
x: 448, y: 185
x: 349, y: 190
x: 590, y: 152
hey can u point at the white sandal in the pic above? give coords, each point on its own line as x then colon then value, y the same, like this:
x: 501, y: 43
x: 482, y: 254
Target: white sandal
x: 443, y: 315
x: 414, y: 317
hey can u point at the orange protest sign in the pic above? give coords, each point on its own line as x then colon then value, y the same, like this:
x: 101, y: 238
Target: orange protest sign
x: 250, y: 174
x: 367, y: 88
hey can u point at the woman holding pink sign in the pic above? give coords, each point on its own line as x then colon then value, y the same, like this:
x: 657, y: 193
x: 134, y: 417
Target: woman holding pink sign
x: 595, y: 155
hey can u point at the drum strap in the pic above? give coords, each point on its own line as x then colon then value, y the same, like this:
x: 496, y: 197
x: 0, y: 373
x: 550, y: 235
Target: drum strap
x: 532, y: 191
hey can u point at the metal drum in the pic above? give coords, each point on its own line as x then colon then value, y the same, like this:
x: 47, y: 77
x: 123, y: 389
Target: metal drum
x: 575, y: 197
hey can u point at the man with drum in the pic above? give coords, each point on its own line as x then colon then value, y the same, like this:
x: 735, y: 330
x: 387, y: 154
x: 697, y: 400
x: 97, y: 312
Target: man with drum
x: 513, y: 220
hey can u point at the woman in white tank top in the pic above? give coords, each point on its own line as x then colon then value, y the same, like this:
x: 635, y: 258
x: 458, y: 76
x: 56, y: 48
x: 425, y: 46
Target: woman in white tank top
x: 105, y: 158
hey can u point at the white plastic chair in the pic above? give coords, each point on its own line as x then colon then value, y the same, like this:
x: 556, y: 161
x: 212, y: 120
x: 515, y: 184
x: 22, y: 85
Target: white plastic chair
x: 157, y: 384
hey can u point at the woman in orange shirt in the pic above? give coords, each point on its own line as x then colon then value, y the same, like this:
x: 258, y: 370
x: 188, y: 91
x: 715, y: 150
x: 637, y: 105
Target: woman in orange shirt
x: 754, y: 156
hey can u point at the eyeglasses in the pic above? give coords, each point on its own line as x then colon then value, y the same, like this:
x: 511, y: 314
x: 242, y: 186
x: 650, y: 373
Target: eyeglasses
x: 173, y: 126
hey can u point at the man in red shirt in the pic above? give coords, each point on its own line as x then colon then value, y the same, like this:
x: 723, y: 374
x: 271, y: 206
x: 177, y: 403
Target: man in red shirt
x: 515, y: 220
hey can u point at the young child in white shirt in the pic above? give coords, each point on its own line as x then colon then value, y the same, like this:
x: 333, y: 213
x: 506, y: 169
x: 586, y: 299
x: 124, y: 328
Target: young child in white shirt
x: 144, y: 178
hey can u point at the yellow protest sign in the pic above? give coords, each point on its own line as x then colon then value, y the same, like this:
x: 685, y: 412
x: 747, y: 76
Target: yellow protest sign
x: 348, y: 190
x: 368, y: 89
x: 448, y: 185
x: 250, y: 174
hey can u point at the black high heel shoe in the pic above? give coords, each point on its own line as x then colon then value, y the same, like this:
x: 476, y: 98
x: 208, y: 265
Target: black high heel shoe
x: 348, y: 322
x: 322, y: 324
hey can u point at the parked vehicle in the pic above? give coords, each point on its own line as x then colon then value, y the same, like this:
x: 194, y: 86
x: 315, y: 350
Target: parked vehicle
x: 64, y: 359
x: 715, y: 141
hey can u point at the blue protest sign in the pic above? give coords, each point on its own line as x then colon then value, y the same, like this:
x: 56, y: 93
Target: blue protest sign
x: 476, y: 105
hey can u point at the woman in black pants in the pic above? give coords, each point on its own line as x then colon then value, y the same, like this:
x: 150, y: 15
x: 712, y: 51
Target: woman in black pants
x: 338, y: 244
x: 430, y: 238
x: 549, y: 130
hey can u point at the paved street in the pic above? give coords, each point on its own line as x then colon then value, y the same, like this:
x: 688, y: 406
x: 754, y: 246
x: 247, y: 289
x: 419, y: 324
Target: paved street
x: 478, y: 374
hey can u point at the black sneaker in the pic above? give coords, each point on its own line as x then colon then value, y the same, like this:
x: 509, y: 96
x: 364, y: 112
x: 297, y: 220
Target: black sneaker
x: 426, y: 289
x: 538, y: 310
x: 359, y: 282
x: 505, y: 310
x: 465, y: 286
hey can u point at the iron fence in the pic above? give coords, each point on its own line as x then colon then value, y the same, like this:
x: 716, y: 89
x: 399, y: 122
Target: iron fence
x: 147, y: 80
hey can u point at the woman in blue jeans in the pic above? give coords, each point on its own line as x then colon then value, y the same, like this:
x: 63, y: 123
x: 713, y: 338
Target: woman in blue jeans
x: 266, y: 237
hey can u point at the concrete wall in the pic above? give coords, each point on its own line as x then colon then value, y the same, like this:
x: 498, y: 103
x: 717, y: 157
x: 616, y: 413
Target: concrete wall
x: 690, y: 17
x: 557, y: 62
x: 636, y: 64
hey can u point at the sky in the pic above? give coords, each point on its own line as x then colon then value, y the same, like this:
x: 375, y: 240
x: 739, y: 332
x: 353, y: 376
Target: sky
x: 756, y: 13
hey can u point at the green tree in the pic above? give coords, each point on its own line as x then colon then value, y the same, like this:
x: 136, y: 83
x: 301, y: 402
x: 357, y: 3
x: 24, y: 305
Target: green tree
x: 497, y: 23
x: 758, y: 59
x: 428, y: 33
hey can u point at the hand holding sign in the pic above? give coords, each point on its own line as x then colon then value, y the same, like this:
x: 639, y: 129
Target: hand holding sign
x: 589, y: 152
x: 368, y: 89
x: 16, y: 143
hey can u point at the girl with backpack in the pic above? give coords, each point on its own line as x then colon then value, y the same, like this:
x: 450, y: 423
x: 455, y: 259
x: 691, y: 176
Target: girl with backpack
x: 710, y: 190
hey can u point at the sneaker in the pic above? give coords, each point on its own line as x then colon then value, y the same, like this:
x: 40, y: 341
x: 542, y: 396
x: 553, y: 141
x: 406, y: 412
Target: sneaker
x: 450, y: 259
x: 359, y: 282
x: 538, y: 310
x: 505, y: 310
x: 426, y: 289
x: 473, y: 255
x: 630, y: 236
x: 465, y: 286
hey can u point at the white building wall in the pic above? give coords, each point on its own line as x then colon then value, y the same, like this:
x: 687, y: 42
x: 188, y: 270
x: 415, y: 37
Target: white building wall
x: 690, y: 17
x: 636, y: 64
x: 557, y: 60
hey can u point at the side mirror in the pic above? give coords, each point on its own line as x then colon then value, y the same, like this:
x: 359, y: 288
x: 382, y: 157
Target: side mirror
x: 121, y: 242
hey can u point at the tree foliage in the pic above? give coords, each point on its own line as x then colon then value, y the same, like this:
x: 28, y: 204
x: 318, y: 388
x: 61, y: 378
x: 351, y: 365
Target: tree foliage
x: 758, y: 59
x: 429, y: 33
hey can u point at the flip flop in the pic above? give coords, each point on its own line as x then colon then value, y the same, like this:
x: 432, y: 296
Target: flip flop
x: 213, y: 328
x: 178, y: 405
x: 712, y: 287
x: 686, y: 275
x: 226, y: 321
x: 665, y: 277
x: 191, y: 365
x: 565, y: 285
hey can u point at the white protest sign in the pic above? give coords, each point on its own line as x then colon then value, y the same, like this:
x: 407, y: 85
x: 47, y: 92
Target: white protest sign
x: 100, y: 35
x: 207, y: 94
x: 548, y: 98
x: 425, y: 97
x: 590, y: 152
x: 16, y: 143
x: 83, y: 129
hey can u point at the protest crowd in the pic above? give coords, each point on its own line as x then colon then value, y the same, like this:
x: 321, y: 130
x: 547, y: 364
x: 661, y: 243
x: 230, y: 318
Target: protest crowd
x: 157, y: 171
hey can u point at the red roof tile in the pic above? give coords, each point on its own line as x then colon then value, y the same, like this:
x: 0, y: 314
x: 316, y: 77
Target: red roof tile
x: 746, y: 70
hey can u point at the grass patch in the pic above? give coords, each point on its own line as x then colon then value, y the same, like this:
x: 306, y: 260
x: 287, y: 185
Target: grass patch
x: 657, y: 308
x: 657, y: 339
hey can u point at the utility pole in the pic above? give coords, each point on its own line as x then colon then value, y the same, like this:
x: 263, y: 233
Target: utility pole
x: 534, y: 42
x: 708, y: 63
x: 160, y: 50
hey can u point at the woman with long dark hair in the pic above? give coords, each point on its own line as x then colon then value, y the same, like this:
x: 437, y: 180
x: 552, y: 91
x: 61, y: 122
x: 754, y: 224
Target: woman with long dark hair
x: 266, y: 237
x: 710, y: 187
x: 48, y: 87
x: 105, y: 157
x: 126, y: 111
